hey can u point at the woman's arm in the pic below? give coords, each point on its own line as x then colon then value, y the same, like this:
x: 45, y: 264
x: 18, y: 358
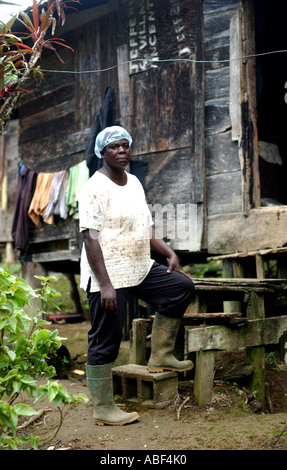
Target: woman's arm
x: 97, y: 263
x: 158, y: 244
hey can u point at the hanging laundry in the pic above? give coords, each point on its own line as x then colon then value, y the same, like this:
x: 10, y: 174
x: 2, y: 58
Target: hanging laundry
x: 57, y: 203
x: 21, y: 222
x: 41, y: 198
x: 78, y: 176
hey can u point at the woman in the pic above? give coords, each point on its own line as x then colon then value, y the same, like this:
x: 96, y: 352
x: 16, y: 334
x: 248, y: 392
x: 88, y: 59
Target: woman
x: 117, y: 239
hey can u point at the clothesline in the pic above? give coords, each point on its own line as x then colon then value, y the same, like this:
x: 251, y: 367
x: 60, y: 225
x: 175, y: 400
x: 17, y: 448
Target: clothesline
x: 154, y: 60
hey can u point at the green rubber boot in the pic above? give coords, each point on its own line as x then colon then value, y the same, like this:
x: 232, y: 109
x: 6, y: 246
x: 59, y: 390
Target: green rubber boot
x: 163, y: 337
x: 100, y: 383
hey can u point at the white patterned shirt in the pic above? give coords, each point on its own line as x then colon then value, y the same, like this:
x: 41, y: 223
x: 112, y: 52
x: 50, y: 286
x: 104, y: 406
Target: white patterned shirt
x: 121, y: 220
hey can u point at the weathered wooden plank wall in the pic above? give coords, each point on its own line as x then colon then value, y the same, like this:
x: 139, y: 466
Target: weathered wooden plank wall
x: 48, y: 117
x: 9, y: 160
x: 167, y: 103
x: 185, y: 117
x: 193, y: 124
x: 235, y: 221
x: 223, y: 169
x: 164, y: 111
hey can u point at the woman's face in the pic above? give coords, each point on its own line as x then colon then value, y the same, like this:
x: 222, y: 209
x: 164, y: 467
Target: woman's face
x: 117, y: 154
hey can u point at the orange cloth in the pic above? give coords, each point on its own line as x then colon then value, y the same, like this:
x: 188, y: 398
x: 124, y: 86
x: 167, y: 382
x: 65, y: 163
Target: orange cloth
x: 41, y: 198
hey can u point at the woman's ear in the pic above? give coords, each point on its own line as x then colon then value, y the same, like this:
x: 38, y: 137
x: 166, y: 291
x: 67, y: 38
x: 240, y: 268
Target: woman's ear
x: 102, y: 152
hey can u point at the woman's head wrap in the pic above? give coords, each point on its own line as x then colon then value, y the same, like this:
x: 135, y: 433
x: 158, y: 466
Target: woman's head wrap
x: 109, y: 135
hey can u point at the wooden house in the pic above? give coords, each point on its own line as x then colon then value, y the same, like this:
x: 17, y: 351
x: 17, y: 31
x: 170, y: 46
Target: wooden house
x: 201, y: 86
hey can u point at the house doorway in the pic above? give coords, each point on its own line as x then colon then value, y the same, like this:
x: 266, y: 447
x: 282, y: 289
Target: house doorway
x: 271, y: 82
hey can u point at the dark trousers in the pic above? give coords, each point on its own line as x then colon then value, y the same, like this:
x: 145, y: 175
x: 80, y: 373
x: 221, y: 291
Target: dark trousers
x: 172, y: 291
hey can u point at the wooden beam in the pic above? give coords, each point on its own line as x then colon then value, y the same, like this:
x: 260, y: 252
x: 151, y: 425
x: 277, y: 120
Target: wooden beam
x: 235, y: 284
x: 255, y: 333
x: 80, y: 18
x: 235, y: 75
x: 59, y: 255
x: 263, y: 229
x: 245, y: 254
x: 210, y: 316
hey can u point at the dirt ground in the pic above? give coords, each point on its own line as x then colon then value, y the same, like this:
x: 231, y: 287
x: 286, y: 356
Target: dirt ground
x: 231, y: 422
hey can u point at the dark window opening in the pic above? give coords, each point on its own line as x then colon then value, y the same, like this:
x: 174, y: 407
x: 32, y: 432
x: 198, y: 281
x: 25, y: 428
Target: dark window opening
x: 270, y: 35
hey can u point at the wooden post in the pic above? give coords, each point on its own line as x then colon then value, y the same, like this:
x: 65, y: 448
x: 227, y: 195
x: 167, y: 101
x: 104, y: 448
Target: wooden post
x: 238, y: 272
x: 232, y: 269
x: 138, y: 341
x: 74, y: 293
x: 255, y: 356
x: 124, y: 86
x: 10, y: 253
x: 226, y: 273
x: 203, y: 378
x: 197, y: 305
x: 260, y: 271
x: 205, y: 340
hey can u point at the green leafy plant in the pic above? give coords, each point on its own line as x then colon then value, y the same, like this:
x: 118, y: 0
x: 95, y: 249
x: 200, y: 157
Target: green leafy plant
x: 272, y: 359
x: 25, y: 349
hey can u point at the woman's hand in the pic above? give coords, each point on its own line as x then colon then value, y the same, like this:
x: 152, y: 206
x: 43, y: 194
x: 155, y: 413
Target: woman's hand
x: 173, y: 263
x: 109, y: 299
x: 97, y: 263
x: 159, y: 245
